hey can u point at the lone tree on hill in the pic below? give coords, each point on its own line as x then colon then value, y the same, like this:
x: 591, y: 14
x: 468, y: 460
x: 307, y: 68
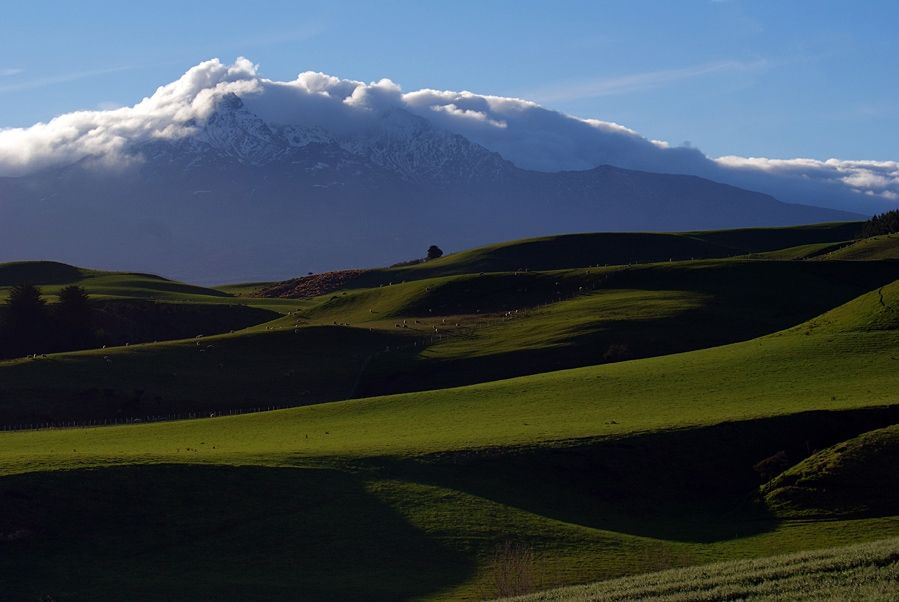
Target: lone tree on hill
x: 434, y: 252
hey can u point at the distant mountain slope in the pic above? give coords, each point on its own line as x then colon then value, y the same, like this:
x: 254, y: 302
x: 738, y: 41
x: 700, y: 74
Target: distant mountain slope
x: 245, y: 199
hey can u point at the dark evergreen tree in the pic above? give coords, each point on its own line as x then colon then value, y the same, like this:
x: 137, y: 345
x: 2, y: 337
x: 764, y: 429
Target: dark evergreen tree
x: 74, y: 319
x: 25, y: 328
x: 434, y: 252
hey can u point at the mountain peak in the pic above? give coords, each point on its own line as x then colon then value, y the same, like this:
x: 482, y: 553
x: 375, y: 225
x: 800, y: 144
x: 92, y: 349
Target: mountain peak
x: 394, y: 140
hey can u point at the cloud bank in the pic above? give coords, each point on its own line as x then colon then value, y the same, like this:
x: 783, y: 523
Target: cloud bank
x: 522, y: 131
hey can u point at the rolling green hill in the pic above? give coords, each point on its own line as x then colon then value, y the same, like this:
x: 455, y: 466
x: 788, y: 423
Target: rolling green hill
x: 401, y: 466
x: 618, y: 467
x: 885, y: 246
x: 838, y: 365
x: 434, y: 333
x: 571, y: 251
x: 128, y: 308
x: 52, y: 276
x: 854, y: 477
x: 610, y: 248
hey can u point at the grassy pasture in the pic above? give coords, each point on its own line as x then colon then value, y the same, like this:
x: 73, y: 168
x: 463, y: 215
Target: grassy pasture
x: 51, y: 277
x: 572, y: 251
x: 604, y: 471
x: 860, y: 572
x: 885, y: 246
x: 555, y: 320
x: 611, y: 248
x: 837, y: 365
x: 802, y: 251
x: 249, y: 532
x: 856, y: 477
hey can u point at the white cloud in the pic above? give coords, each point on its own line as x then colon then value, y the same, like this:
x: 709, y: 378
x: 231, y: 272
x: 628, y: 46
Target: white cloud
x: 43, y: 82
x: 877, y: 179
x: 624, y: 84
x: 520, y: 130
x: 9, y: 71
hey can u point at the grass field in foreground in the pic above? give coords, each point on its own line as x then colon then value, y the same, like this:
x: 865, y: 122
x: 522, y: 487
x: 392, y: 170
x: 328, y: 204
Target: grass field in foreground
x: 317, y: 502
x: 603, y: 471
x: 256, y: 533
x: 861, y: 572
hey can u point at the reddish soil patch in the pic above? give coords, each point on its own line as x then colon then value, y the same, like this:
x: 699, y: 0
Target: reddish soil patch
x: 311, y: 286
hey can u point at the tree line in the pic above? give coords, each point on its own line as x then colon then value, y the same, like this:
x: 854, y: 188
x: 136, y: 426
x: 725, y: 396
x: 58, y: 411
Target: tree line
x: 31, y: 326
x: 885, y: 223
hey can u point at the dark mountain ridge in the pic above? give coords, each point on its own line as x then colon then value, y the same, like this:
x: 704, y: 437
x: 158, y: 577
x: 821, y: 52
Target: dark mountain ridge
x: 241, y: 199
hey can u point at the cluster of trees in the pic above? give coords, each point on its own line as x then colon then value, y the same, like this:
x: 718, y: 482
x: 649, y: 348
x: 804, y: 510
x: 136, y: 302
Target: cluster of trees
x: 28, y: 325
x: 885, y: 223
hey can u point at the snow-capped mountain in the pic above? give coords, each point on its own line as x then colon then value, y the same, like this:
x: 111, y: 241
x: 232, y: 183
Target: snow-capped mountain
x: 235, y: 197
x: 398, y: 142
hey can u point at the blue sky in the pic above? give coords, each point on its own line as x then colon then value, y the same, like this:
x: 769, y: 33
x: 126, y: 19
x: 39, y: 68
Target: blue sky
x: 752, y: 78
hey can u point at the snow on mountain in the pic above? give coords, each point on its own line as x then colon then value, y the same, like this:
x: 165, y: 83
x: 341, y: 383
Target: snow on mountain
x: 230, y: 193
x: 396, y: 141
